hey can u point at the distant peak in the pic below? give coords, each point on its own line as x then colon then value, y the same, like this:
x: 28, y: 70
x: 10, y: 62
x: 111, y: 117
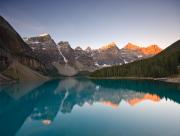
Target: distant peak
x: 64, y: 44
x: 109, y: 46
x: 150, y: 50
x: 153, y: 46
x: 43, y: 38
x: 131, y: 46
x: 78, y: 48
x: 88, y: 49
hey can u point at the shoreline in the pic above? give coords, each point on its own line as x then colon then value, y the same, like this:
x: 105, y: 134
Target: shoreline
x: 163, y: 79
x: 175, y: 80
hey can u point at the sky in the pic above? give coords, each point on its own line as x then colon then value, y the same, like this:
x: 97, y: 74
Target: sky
x: 96, y: 22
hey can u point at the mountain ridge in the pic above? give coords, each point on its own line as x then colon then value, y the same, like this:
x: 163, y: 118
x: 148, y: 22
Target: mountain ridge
x: 43, y: 54
x: 163, y: 64
x: 107, y: 55
x: 109, y: 45
x: 149, y: 50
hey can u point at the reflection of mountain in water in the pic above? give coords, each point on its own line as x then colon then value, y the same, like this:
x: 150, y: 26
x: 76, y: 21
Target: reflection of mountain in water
x: 43, y: 103
x: 13, y: 111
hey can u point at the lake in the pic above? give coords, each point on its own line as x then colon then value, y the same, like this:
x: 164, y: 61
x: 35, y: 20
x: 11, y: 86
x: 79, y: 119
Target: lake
x: 83, y: 107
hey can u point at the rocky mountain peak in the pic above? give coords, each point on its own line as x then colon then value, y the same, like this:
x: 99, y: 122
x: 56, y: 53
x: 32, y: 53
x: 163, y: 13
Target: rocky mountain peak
x: 151, y: 50
x: 154, y: 46
x: 88, y: 49
x: 65, y: 47
x: 64, y: 44
x: 131, y: 46
x: 43, y: 38
x: 109, y: 46
x: 78, y: 48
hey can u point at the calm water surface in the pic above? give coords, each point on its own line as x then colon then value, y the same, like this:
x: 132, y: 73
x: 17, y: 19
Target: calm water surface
x: 82, y: 107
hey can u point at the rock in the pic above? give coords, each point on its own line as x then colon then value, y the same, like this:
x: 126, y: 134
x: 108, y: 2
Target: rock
x: 150, y: 50
x: 14, y: 50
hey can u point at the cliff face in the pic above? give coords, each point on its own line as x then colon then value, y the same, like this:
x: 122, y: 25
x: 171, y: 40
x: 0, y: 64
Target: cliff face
x: 66, y: 60
x: 10, y: 40
x: 108, y: 55
x: 69, y: 61
x: 14, y: 49
x: 151, y: 50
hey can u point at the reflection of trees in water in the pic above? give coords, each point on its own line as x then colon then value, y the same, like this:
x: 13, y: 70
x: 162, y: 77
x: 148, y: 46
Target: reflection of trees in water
x: 43, y: 103
x: 162, y: 89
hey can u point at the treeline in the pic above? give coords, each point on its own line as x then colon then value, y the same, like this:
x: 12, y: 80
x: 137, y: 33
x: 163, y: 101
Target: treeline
x: 161, y: 65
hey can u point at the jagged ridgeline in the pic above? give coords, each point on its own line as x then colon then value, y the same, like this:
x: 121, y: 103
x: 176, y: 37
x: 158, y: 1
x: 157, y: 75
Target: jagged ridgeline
x: 163, y: 64
x: 17, y: 60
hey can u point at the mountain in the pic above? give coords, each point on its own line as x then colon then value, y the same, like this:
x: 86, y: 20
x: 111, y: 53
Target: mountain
x: 66, y: 51
x: 111, y: 46
x: 66, y: 60
x: 150, y: 50
x: 17, y: 59
x: 78, y: 48
x: 45, y: 48
x: 69, y: 61
x: 41, y: 54
x: 110, y: 54
x: 107, y: 55
x: 88, y: 49
x: 131, y: 46
x: 10, y: 41
x: 164, y: 64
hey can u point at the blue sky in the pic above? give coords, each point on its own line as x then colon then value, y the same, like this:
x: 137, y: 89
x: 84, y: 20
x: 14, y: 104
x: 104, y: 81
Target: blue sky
x: 96, y: 22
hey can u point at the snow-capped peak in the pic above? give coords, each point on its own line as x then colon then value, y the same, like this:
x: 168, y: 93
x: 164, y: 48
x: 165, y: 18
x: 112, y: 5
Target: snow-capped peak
x: 44, y: 34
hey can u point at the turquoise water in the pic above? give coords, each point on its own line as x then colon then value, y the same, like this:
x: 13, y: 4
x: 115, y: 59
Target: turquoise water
x: 82, y: 107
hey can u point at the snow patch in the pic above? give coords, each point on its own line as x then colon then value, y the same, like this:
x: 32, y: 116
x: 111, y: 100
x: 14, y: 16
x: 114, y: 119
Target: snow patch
x: 96, y: 64
x: 44, y: 34
x: 139, y: 56
x: 104, y: 65
x: 125, y: 61
x: 59, y: 49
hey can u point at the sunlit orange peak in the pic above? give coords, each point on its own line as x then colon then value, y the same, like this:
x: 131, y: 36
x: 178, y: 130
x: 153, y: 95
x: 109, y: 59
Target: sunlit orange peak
x: 109, y: 103
x: 154, y: 98
x: 150, y: 50
x: 131, y: 46
x: 108, y: 46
